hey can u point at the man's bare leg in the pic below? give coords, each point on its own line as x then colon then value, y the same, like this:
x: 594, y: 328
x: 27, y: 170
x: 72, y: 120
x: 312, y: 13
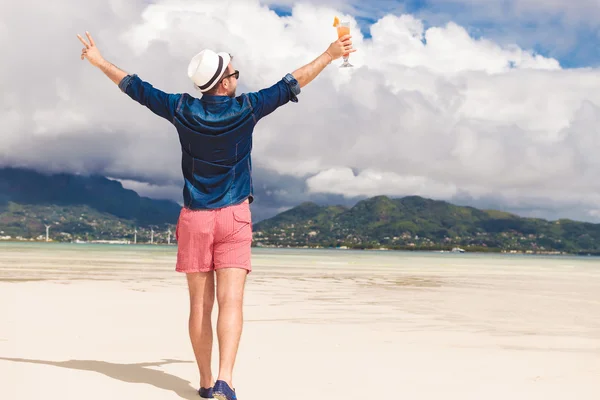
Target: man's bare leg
x: 230, y: 296
x: 202, y: 298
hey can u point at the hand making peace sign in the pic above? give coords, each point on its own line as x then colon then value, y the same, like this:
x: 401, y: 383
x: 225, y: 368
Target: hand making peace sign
x: 90, y: 51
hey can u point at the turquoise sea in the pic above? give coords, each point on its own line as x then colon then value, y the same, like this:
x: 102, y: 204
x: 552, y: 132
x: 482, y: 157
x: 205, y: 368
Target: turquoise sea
x: 19, y: 257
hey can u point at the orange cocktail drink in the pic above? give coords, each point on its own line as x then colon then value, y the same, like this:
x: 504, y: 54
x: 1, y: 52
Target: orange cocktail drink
x: 343, y: 28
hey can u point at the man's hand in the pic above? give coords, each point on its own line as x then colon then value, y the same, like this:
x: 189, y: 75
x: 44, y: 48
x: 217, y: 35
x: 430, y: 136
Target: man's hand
x: 341, y: 47
x: 90, y: 51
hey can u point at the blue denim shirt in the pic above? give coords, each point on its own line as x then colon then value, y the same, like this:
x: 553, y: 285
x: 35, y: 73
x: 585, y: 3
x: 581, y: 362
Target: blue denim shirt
x: 215, y: 133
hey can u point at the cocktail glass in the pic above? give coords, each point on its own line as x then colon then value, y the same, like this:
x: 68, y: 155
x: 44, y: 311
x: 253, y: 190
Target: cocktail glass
x: 344, y: 29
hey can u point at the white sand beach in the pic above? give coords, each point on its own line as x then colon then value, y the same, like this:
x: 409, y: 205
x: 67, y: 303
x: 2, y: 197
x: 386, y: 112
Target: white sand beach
x: 102, y: 322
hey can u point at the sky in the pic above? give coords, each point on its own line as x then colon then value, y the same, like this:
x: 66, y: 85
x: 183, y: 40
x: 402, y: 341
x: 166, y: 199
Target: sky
x: 492, y: 104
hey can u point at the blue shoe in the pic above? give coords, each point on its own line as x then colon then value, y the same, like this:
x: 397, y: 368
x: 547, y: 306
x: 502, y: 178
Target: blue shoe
x: 206, y: 393
x: 222, y: 391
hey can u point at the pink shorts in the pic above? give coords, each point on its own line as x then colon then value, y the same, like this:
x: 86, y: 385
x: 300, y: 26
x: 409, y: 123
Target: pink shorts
x: 211, y: 239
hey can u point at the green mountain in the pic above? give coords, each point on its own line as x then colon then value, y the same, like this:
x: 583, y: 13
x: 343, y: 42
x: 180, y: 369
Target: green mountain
x: 96, y: 208
x: 78, y: 207
x: 417, y: 223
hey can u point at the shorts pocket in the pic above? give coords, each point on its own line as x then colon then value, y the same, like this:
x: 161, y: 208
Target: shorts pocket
x: 181, y: 215
x: 242, y: 214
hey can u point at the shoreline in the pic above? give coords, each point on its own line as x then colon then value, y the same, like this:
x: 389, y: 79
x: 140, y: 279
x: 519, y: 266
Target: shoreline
x: 467, y: 252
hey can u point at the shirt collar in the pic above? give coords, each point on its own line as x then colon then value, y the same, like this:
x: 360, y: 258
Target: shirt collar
x: 214, y: 99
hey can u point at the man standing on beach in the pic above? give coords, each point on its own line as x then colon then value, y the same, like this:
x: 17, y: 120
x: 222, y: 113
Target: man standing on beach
x: 214, y: 230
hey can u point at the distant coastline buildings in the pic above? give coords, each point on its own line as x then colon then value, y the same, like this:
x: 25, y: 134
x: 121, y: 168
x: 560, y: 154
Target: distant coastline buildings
x: 67, y: 237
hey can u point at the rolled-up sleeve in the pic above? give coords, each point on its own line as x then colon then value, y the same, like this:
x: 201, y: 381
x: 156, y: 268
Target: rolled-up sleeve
x: 267, y: 100
x: 157, y: 101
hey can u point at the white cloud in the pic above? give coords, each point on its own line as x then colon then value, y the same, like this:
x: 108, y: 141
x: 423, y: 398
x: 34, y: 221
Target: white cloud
x: 447, y: 50
x: 431, y: 112
x: 343, y: 181
x: 162, y: 192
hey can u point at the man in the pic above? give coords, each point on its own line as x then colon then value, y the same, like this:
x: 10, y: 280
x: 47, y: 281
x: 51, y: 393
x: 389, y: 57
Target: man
x: 214, y: 230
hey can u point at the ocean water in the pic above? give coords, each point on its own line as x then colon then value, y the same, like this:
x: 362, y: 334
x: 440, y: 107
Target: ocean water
x: 27, y: 254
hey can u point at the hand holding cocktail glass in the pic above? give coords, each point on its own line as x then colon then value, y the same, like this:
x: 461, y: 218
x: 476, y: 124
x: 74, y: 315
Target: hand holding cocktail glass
x: 343, y: 31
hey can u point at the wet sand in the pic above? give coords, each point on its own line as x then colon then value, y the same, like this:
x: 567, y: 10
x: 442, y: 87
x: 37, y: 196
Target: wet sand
x: 111, y: 322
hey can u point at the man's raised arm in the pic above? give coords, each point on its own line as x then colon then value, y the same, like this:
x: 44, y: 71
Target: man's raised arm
x: 337, y: 49
x: 157, y: 101
x: 265, y: 101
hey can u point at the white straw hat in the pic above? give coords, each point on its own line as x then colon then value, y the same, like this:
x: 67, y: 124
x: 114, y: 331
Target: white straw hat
x: 206, y: 68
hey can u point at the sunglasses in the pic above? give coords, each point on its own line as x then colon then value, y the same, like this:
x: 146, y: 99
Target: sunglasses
x: 236, y: 74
